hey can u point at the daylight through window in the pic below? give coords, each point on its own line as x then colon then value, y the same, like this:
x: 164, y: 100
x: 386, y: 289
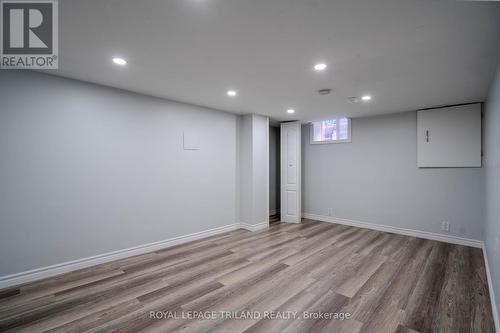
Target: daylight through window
x: 331, y: 131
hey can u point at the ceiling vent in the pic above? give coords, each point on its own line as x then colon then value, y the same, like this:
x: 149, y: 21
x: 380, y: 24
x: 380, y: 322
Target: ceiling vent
x: 324, y: 91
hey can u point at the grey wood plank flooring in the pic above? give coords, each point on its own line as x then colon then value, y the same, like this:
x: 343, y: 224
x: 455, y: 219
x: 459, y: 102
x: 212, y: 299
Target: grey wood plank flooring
x: 386, y: 282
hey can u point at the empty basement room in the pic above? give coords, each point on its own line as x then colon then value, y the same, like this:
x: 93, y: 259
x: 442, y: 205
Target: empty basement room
x: 249, y: 166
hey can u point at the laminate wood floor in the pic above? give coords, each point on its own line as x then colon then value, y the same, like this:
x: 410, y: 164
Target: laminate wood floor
x: 385, y: 282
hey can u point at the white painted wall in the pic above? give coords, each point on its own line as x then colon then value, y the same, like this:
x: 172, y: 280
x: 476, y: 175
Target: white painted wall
x: 492, y: 181
x: 376, y: 179
x: 245, y: 170
x: 254, y: 170
x: 261, y: 169
x: 274, y: 169
x: 86, y: 170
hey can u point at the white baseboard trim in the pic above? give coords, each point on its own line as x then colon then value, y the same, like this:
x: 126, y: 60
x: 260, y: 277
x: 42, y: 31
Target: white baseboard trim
x: 273, y: 211
x: 65, y: 267
x: 396, y: 230
x: 254, y: 227
x: 492, y: 292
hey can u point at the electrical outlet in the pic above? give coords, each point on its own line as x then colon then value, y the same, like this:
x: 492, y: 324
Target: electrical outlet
x: 445, y: 226
x: 330, y: 211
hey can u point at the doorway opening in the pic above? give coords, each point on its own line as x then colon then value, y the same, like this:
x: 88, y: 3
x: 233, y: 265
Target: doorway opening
x: 274, y: 174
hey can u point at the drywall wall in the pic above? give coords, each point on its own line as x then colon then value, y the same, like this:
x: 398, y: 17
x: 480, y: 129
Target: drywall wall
x: 375, y: 179
x: 492, y: 183
x: 245, y: 123
x: 86, y: 170
x: 253, y: 154
x: 260, y: 169
x: 274, y: 169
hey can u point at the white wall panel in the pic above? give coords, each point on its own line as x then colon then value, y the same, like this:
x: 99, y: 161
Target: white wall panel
x: 449, y: 137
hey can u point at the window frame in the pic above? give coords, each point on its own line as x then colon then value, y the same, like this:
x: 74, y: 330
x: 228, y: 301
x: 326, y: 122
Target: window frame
x: 325, y: 142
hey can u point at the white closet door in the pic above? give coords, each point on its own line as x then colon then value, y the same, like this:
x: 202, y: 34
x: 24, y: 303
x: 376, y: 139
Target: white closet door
x: 290, y: 172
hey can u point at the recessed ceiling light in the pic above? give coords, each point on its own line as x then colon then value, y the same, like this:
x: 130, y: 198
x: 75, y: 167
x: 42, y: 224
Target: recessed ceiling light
x: 366, y: 97
x: 120, y: 61
x: 320, y: 67
x: 231, y: 93
x: 290, y: 111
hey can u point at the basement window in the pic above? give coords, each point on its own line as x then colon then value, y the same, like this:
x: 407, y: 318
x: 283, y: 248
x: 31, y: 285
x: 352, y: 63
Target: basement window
x: 331, y: 131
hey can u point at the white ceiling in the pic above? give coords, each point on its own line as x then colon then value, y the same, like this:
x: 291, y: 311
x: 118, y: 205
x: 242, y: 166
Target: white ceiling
x: 406, y: 54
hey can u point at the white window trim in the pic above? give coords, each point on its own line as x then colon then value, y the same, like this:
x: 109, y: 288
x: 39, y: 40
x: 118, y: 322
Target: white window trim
x: 327, y: 142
